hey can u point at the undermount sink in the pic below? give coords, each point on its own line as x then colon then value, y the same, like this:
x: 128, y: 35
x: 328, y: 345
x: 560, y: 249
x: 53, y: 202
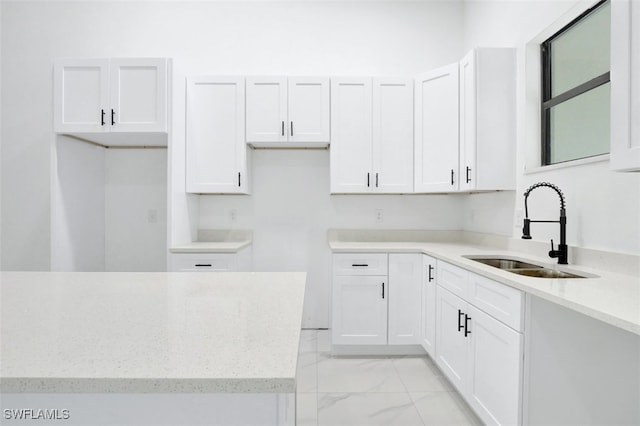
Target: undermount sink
x: 520, y: 267
x: 546, y: 273
x: 505, y: 263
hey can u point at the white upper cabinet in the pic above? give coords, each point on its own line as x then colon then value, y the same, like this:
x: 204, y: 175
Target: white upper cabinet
x: 436, y: 134
x: 392, y: 135
x: 350, y: 153
x: 487, y: 120
x: 287, y: 112
x: 216, y: 151
x: 107, y: 100
x: 371, y: 135
x: 138, y: 95
x: 625, y: 85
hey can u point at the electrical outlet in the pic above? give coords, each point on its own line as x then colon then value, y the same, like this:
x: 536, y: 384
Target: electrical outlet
x: 379, y: 214
x: 152, y: 215
x: 233, y: 215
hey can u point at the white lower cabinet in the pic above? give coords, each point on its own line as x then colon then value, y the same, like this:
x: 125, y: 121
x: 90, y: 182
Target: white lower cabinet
x: 376, y: 299
x: 359, y: 310
x: 480, y: 355
x: 428, y: 306
x: 211, y: 262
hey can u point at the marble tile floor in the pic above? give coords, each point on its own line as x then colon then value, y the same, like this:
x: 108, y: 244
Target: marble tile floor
x: 363, y: 391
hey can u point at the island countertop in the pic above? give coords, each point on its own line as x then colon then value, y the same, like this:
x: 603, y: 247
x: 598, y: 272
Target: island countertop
x: 103, y: 332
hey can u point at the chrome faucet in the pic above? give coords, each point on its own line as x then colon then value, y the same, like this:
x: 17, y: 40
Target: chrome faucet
x: 562, y: 252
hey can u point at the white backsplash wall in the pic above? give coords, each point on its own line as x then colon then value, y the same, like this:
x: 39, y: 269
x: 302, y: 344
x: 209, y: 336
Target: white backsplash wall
x: 603, y: 207
x: 290, y: 211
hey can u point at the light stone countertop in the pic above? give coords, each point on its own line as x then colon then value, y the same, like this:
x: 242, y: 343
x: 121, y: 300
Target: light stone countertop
x: 610, y: 297
x: 216, y: 241
x: 104, y: 332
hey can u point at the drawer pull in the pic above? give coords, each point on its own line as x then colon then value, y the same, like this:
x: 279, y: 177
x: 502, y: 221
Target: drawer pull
x: 359, y: 265
x: 203, y: 265
x: 383, y: 290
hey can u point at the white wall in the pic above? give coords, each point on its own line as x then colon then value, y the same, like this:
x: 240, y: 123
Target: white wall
x: 603, y: 207
x: 326, y: 38
x: 135, y: 204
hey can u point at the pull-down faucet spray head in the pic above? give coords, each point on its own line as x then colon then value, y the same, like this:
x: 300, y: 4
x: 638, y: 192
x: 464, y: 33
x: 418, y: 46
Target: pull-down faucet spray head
x: 562, y: 252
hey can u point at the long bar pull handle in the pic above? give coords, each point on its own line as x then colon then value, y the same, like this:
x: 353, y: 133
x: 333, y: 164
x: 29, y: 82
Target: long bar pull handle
x: 203, y: 265
x: 283, y: 128
x: 113, y: 117
x: 468, y: 177
x: 361, y: 265
x: 368, y: 180
x: 292, y: 128
x: 466, y: 325
x: 376, y: 180
x: 102, y: 117
x: 383, y: 290
x: 239, y: 181
x: 451, y: 176
x: 431, y: 268
x: 460, y: 314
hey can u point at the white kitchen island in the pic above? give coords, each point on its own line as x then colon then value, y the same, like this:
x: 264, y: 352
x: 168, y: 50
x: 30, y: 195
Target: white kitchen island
x: 150, y: 348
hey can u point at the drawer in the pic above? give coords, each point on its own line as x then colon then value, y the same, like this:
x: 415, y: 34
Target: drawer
x: 453, y: 279
x: 502, y: 302
x: 203, y: 262
x: 360, y: 264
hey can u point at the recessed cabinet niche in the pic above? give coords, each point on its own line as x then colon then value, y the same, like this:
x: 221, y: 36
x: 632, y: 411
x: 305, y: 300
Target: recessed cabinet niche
x: 287, y: 112
x: 113, y: 102
x: 371, y: 135
x: 216, y: 151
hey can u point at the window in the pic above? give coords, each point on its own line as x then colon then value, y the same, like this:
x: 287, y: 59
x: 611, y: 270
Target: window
x: 576, y: 88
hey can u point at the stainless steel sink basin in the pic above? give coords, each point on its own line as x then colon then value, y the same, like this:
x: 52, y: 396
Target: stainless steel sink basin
x: 506, y: 263
x: 546, y: 273
x: 520, y: 267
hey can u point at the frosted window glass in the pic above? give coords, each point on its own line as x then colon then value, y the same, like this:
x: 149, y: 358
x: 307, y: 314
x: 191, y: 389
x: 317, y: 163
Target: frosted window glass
x: 580, y: 126
x: 582, y: 52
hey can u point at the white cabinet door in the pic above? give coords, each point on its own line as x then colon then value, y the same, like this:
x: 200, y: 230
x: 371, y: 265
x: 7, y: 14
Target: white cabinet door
x: 138, y: 95
x: 203, y: 262
x: 487, y: 119
x: 405, y: 282
x: 468, y: 121
x: 495, y: 370
x: 81, y: 96
x: 625, y: 85
x: 392, y: 135
x: 451, y: 343
x: 266, y: 119
x: 216, y: 150
x: 359, y: 306
x: 308, y: 109
x: 454, y: 279
x: 436, y: 138
x: 428, y: 306
x: 350, y: 153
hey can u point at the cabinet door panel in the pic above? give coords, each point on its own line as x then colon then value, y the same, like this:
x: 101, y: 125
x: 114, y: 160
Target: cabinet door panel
x: 428, y: 311
x: 468, y: 122
x: 81, y: 93
x: 138, y: 95
x: 454, y: 279
x: 216, y: 151
x: 308, y: 109
x: 350, y: 152
x: 266, y: 109
x: 405, y: 279
x: 359, y: 310
x: 393, y: 135
x: 437, y: 128
x: 451, y: 344
x: 495, y: 368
